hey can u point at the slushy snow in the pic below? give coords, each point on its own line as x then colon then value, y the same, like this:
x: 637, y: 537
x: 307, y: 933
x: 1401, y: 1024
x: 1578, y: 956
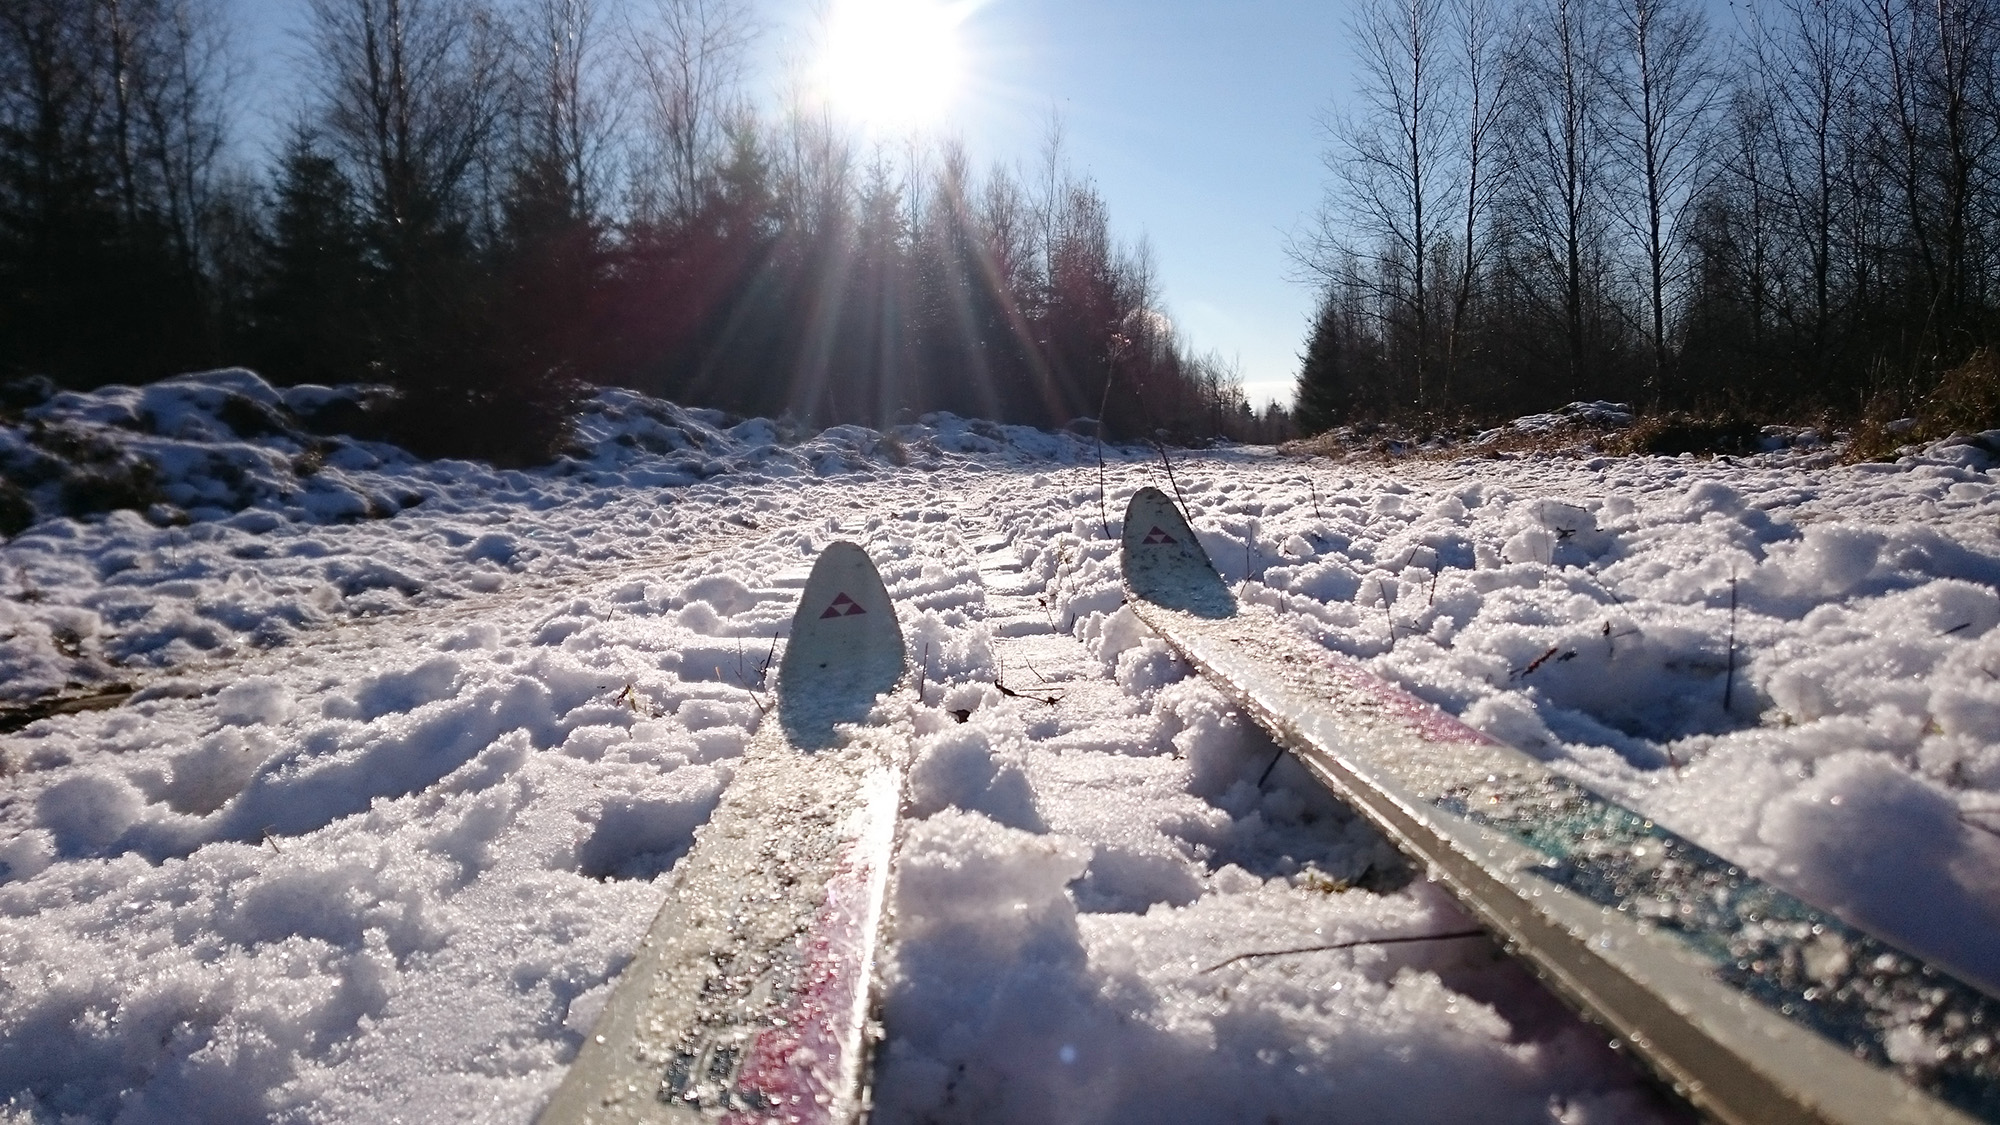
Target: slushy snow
x: 414, y: 746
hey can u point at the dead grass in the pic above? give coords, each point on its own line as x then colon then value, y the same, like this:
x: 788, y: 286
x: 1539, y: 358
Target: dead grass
x: 1965, y: 400
x: 1968, y: 397
x: 1675, y: 433
x: 1387, y: 442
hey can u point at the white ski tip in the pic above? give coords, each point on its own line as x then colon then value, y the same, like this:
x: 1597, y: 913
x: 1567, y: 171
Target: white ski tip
x: 1164, y: 563
x: 846, y: 647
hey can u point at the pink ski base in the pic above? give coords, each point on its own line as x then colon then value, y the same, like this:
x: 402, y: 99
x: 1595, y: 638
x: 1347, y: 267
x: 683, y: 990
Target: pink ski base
x: 793, y: 1064
x: 1426, y: 720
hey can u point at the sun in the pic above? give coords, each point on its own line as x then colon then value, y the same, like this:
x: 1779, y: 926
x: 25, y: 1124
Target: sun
x: 893, y: 65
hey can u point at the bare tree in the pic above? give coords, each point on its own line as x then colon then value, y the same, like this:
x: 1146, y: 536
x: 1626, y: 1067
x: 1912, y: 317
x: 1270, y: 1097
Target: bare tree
x: 111, y: 130
x: 689, y: 58
x: 131, y: 89
x: 1007, y: 218
x: 1391, y: 162
x: 567, y: 120
x: 412, y: 91
x: 120, y: 33
x: 1053, y: 172
x: 183, y: 127
x: 1810, y: 67
x: 1554, y: 140
x: 1484, y: 82
x: 1936, y: 137
x: 815, y: 170
x: 1745, y: 215
x: 51, y: 106
x: 1664, y: 92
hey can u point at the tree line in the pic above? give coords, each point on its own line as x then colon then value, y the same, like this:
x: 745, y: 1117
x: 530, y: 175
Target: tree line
x: 491, y: 205
x: 1535, y: 201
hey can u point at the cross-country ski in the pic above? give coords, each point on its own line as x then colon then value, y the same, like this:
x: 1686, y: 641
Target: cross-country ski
x: 749, y: 999
x: 1753, y: 1005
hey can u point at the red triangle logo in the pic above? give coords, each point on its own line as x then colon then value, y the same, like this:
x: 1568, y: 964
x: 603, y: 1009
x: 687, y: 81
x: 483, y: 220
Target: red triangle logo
x: 843, y: 606
x: 1156, y: 536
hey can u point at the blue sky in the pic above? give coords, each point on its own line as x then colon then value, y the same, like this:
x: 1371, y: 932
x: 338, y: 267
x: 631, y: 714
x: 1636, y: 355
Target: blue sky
x: 1197, y: 118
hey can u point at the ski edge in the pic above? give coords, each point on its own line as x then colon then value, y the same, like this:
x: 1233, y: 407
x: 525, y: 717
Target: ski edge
x: 1739, y: 1063
x: 812, y: 1057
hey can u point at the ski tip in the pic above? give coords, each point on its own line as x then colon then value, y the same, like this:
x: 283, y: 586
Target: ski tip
x: 846, y: 647
x: 1164, y: 563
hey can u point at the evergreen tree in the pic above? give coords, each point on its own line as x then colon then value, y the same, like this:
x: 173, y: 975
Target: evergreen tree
x: 311, y: 317
x: 104, y: 172
x: 1322, y: 396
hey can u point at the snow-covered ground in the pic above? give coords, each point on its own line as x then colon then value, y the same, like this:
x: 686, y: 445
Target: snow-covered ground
x: 414, y: 745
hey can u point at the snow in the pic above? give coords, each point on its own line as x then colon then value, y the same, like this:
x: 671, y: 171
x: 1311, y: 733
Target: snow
x: 413, y: 747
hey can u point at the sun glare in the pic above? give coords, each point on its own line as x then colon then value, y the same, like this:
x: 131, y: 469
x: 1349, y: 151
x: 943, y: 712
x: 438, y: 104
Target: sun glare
x: 893, y: 64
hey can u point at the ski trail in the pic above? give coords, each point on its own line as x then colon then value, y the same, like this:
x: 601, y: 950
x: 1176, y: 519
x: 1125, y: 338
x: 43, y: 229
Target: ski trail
x: 349, y: 635
x: 1020, y: 882
x: 1032, y: 657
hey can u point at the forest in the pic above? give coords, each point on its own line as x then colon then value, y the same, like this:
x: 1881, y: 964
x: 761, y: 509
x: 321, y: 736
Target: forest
x: 492, y: 205
x: 1537, y: 201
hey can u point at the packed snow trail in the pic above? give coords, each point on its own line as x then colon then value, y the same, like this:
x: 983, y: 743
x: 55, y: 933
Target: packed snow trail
x: 394, y: 875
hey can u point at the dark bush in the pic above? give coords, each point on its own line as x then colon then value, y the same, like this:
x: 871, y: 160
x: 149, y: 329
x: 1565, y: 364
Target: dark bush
x: 32, y: 390
x: 250, y: 419
x: 499, y: 411
x: 1671, y: 435
x: 130, y: 484
x: 70, y: 446
x: 16, y: 513
x: 363, y: 417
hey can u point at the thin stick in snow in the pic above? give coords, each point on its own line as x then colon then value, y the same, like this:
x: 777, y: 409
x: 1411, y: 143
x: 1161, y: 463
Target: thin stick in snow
x: 1448, y: 936
x: 1103, y: 404
x: 1103, y: 518
x: 1965, y: 818
x: 1265, y: 776
x: 1186, y: 512
x: 1729, y: 684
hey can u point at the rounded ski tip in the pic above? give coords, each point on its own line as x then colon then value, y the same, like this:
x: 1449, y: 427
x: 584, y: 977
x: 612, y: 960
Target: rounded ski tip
x: 1163, y: 561
x: 846, y: 646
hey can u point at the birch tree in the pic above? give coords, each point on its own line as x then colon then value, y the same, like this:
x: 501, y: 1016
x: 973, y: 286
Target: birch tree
x: 1391, y: 196
x: 688, y: 56
x: 1663, y: 92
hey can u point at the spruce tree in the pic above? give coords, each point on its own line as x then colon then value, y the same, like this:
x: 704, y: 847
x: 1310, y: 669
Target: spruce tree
x: 312, y: 319
x: 1322, y: 397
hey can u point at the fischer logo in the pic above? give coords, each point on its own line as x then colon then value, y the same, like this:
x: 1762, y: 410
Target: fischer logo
x: 1156, y: 537
x: 843, y: 606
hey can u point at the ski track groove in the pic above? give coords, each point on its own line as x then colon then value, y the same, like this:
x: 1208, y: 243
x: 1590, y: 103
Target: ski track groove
x: 350, y: 633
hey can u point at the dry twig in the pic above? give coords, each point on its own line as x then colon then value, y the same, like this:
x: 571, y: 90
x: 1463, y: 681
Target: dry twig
x: 1448, y: 936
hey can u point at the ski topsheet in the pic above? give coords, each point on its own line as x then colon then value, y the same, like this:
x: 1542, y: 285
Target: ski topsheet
x: 1753, y: 1005
x: 748, y: 1000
